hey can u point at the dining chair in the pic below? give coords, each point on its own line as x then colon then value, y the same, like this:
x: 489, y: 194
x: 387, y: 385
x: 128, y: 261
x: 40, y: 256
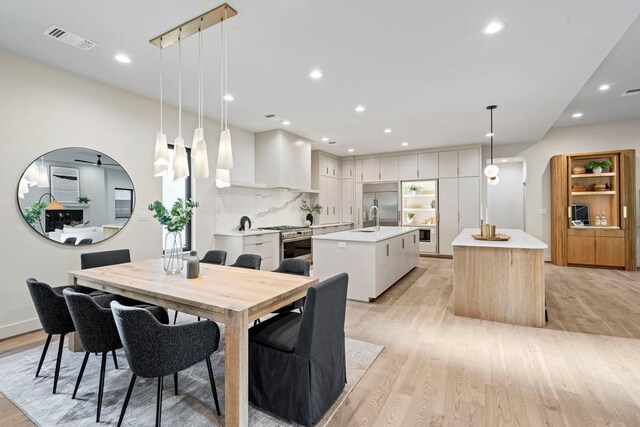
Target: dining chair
x: 54, y: 316
x: 70, y: 241
x: 154, y: 350
x: 94, y: 323
x: 85, y: 242
x: 104, y: 258
x: 215, y: 256
x: 299, y: 267
x: 249, y: 261
x: 297, y: 362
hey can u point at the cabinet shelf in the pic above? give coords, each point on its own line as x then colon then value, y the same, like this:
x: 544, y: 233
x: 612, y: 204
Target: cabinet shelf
x: 593, y: 175
x: 593, y: 193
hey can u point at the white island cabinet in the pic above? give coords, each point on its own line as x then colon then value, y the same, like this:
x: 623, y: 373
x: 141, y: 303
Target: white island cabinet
x: 374, y: 260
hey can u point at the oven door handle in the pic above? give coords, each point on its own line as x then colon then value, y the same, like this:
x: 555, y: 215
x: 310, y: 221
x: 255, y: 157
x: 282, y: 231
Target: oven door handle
x: 296, y: 239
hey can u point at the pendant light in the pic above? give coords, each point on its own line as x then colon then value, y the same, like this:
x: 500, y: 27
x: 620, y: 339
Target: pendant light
x: 225, y: 155
x: 43, y: 176
x: 31, y: 175
x: 161, y: 158
x: 199, y: 145
x: 492, y: 171
x: 23, y: 187
x: 180, y: 160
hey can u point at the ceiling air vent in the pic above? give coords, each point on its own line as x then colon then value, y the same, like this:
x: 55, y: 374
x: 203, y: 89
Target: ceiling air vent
x: 631, y: 92
x: 274, y: 117
x: 71, y: 39
x: 332, y: 142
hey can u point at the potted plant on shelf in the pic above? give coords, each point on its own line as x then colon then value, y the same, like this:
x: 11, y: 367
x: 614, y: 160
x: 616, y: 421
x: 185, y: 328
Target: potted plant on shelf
x: 84, y: 199
x: 410, y: 216
x: 599, y: 167
x: 305, y: 207
x: 414, y: 189
x: 174, y: 220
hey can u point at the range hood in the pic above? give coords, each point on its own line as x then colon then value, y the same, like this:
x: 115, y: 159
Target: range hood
x: 283, y: 160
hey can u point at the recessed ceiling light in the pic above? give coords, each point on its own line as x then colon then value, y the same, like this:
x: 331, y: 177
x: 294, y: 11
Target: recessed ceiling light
x: 493, y: 27
x: 576, y: 115
x: 315, y: 74
x: 286, y: 123
x: 350, y: 150
x: 387, y: 130
x: 489, y: 135
x: 604, y: 87
x: 325, y: 139
x: 121, y: 57
x: 359, y: 109
x: 228, y: 97
x: 404, y: 144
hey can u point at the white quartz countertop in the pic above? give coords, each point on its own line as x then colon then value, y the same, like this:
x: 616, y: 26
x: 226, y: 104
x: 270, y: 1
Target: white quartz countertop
x: 333, y: 224
x: 372, y: 236
x: 519, y: 240
x: 236, y: 233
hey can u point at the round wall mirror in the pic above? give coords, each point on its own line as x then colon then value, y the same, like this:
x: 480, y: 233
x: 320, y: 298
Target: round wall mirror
x: 76, y: 196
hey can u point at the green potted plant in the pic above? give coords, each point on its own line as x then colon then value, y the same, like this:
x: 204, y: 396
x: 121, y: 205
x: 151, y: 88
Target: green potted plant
x: 411, y: 215
x: 414, y: 189
x: 599, y: 167
x: 306, y: 207
x: 33, y: 214
x: 84, y: 199
x: 174, y: 220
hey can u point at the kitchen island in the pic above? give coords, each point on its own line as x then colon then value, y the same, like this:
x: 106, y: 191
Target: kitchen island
x: 499, y: 281
x: 373, y: 259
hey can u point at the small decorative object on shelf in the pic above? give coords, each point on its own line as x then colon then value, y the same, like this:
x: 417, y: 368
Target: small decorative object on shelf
x: 599, y: 187
x: 488, y: 232
x: 599, y: 167
x: 174, y: 221
x: 578, y: 170
x: 193, y: 265
x: 414, y: 189
x: 84, y: 199
x: 305, y: 207
x: 410, y: 217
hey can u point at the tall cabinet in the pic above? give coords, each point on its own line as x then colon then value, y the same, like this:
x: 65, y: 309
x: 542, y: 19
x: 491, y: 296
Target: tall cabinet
x: 458, y: 208
x: 326, y: 177
x: 593, y: 220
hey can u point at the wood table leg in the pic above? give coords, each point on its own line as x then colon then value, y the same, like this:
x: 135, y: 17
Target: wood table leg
x: 236, y: 368
x: 74, y: 343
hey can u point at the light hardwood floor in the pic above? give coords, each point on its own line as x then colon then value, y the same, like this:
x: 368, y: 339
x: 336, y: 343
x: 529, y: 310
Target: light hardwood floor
x: 582, y: 369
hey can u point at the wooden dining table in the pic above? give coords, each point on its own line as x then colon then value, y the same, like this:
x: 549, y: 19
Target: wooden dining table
x: 229, y: 295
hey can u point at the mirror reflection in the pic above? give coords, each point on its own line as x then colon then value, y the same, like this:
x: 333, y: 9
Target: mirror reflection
x: 76, y: 196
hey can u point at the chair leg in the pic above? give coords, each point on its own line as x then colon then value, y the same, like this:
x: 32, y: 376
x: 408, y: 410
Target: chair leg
x: 126, y: 399
x: 198, y: 318
x: 213, y: 384
x: 103, y: 366
x: 175, y: 382
x: 300, y: 310
x: 58, y: 360
x: 44, y: 353
x: 159, y: 403
x: 84, y: 364
x: 115, y: 358
x: 175, y: 318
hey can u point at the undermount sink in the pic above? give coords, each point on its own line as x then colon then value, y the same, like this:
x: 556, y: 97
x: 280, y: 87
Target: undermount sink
x: 364, y: 231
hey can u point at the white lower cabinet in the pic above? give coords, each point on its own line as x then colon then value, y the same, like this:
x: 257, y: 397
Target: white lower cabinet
x: 395, y: 257
x: 265, y: 245
x: 458, y: 208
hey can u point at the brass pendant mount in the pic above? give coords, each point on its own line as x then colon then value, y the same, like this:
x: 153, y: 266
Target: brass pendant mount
x: 194, y: 25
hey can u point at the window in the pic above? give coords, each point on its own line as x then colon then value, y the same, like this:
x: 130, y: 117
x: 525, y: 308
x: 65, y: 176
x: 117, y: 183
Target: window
x: 174, y: 190
x: 124, y: 202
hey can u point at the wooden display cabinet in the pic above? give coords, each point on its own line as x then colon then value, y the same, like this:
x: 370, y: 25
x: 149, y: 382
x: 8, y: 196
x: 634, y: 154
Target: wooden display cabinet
x: 611, y: 245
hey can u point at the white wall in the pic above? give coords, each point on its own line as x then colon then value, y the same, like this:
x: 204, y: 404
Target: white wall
x: 44, y: 108
x: 505, y: 201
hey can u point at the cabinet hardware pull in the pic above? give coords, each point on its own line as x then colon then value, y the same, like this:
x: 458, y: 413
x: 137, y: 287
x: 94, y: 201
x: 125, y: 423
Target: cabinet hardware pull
x: 387, y: 249
x: 258, y: 244
x: 403, y: 243
x: 379, y: 175
x: 414, y: 238
x: 569, y: 212
x: 624, y: 212
x: 351, y: 210
x: 418, y: 173
x: 327, y: 170
x: 334, y: 210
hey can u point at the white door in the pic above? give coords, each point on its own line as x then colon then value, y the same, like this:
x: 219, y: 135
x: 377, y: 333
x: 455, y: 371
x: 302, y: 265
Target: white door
x: 357, y: 205
x: 346, y: 169
x: 358, y: 170
x: 448, y: 213
x: 371, y: 170
x: 408, y: 167
x: 334, y: 199
x: 334, y: 167
x: 323, y: 165
x: 347, y: 200
x: 469, y: 162
x: 389, y: 168
x: 447, y: 164
x: 469, y: 203
x: 324, y: 200
x: 428, y: 166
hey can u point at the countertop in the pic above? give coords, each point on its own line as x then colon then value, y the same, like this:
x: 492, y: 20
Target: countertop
x: 366, y: 237
x: 333, y: 224
x: 519, y: 240
x: 236, y: 233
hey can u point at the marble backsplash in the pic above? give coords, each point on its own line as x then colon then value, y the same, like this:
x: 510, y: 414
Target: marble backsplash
x: 264, y: 206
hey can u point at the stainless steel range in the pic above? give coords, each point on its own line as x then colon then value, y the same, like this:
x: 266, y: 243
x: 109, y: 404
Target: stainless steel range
x: 295, y: 242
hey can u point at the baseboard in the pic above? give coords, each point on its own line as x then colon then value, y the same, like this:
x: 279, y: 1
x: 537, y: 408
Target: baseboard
x: 14, y: 329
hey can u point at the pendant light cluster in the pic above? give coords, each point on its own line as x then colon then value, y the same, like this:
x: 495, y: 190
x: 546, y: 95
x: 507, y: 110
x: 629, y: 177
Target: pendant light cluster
x: 179, y: 166
x: 34, y: 175
x: 492, y: 171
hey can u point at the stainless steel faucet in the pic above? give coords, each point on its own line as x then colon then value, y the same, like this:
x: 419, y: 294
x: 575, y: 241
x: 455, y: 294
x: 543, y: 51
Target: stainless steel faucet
x: 374, y: 207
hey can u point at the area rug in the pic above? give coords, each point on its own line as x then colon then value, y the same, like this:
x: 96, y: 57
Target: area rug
x: 194, y: 405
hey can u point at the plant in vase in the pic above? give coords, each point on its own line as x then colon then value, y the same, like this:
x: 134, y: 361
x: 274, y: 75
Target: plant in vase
x: 598, y: 167
x: 174, y: 220
x: 310, y: 209
x: 414, y: 189
x: 410, y: 217
x: 33, y: 214
x: 84, y: 199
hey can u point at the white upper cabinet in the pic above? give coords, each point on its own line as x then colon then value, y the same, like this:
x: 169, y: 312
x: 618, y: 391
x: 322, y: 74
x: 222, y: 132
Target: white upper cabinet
x: 329, y: 166
x: 358, y: 170
x: 371, y: 170
x: 428, y: 166
x: 448, y: 164
x: 469, y: 162
x: 347, y: 169
x: 388, y: 168
x: 408, y: 167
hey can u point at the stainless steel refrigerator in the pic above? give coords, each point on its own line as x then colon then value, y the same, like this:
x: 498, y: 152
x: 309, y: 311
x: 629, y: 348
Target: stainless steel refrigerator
x: 385, y: 197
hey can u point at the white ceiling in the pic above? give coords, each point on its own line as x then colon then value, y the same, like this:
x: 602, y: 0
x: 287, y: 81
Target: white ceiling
x: 621, y: 71
x: 422, y: 68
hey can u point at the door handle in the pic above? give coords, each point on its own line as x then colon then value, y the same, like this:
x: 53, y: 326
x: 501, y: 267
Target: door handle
x: 334, y: 210
x: 327, y: 170
x: 569, y: 212
x: 624, y: 212
x: 418, y: 173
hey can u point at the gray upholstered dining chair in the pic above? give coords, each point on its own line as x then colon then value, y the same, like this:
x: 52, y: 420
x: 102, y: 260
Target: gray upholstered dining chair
x: 70, y: 241
x: 104, y: 258
x: 154, y: 350
x: 54, y: 316
x: 85, y: 242
x: 249, y: 261
x: 299, y: 267
x: 94, y: 323
x: 215, y: 256
x: 297, y: 362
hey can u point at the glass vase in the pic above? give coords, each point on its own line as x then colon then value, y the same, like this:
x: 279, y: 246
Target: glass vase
x: 173, y: 261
